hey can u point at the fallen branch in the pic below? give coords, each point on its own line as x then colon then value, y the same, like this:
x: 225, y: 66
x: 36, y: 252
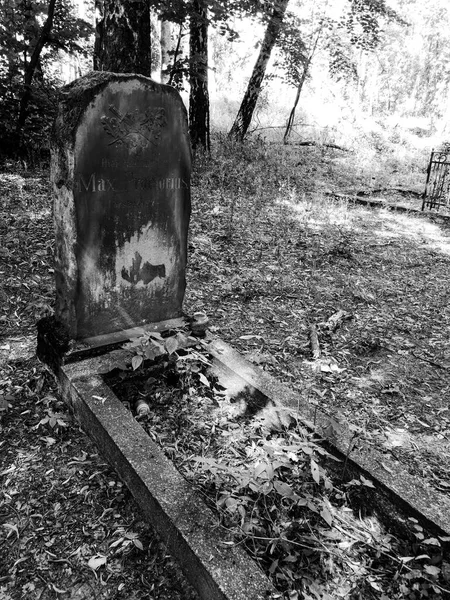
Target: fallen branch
x: 399, y: 190
x: 431, y: 362
x: 313, y: 143
x: 314, y: 340
x: 337, y: 319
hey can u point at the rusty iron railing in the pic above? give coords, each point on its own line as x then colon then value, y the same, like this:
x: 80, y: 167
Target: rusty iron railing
x: 437, y: 188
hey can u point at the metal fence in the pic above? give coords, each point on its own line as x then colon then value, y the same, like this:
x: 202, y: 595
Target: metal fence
x: 437, y: 188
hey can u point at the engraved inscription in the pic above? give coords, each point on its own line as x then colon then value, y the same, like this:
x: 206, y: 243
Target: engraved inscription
x: 127, y: 163
x: 171, y: 183
x: 145, y: 273
x: 131, y: 127
x: 94, y: 183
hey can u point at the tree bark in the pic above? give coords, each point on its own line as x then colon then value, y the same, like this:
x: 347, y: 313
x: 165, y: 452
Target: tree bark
x: 198, y: 77
x: 176, y: 71
x: 166, y: 47
x: 245, y: 114
x: 99, y: 26
x: 31, y: 67
x: 123, y: 35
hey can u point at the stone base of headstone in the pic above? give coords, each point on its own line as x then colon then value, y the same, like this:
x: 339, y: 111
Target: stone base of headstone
x: 55, y: 347
x: 53, y: 343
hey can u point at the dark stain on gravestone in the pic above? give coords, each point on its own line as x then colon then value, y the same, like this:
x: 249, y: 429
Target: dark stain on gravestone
x: 146, y: 273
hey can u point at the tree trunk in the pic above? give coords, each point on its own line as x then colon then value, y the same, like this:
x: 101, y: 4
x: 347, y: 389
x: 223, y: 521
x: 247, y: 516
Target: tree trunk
x: 198, y: 77
x: 166, y: 47
x: 99, y: 26
x: 244, y: 116
x: 123, y: 34
x: 31, y: 68
x: 177, y: 69
x: 290, y: 122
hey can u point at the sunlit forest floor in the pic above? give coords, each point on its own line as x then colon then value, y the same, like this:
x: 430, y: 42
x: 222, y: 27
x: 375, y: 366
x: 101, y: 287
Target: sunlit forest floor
x: 273, y: 264
x: 272, y: 251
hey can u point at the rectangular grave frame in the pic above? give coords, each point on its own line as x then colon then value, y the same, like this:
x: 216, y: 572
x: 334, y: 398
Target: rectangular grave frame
x: 215, y: 568
x: 395, y: 497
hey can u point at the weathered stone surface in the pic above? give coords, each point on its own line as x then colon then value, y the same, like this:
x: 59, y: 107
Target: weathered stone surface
x: 218, y: 570
x: 121, y: 167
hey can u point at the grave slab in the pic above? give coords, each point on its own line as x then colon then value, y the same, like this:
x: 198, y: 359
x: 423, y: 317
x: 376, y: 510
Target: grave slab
x: 120, y: 170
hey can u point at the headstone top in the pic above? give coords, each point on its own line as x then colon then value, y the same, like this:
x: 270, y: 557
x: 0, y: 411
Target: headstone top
x: 121, y: 168
x: 77, y: 95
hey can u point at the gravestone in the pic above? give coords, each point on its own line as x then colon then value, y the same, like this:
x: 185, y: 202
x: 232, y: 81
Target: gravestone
x: 121, y: 164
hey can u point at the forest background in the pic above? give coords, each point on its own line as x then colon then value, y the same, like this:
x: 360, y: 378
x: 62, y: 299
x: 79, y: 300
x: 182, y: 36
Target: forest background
x: 363, y: 73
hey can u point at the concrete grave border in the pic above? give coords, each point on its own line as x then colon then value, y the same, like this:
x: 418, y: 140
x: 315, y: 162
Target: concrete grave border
x: 216, y: 568
x: 395, y: 488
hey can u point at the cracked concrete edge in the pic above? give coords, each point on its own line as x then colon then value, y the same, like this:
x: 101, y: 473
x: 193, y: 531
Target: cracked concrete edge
x: 193, y: 536
x: 394, y: 485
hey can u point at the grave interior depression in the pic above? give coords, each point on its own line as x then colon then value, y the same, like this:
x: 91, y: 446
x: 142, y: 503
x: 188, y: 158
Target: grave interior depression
x: 121, y: 167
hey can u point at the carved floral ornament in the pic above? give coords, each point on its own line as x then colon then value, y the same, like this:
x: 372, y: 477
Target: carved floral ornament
x: 131, y: 128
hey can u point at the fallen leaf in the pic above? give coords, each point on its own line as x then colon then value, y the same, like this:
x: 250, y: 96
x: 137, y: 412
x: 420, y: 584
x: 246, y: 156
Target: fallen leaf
x: 8, y: 470
x: 203, y: 379
x: 366, y: 482
x: 96, y: 561
x: 432, y: 570
x: 172, y: 345
x: 11, y: 528
x: 431, y: 542
x: 284, y: 489
x: 315, y: 471
x: 388, y: 469
x: 59, y: 590
x: 138, y: 544
x: 136, y: 362
x: 326, y: 516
